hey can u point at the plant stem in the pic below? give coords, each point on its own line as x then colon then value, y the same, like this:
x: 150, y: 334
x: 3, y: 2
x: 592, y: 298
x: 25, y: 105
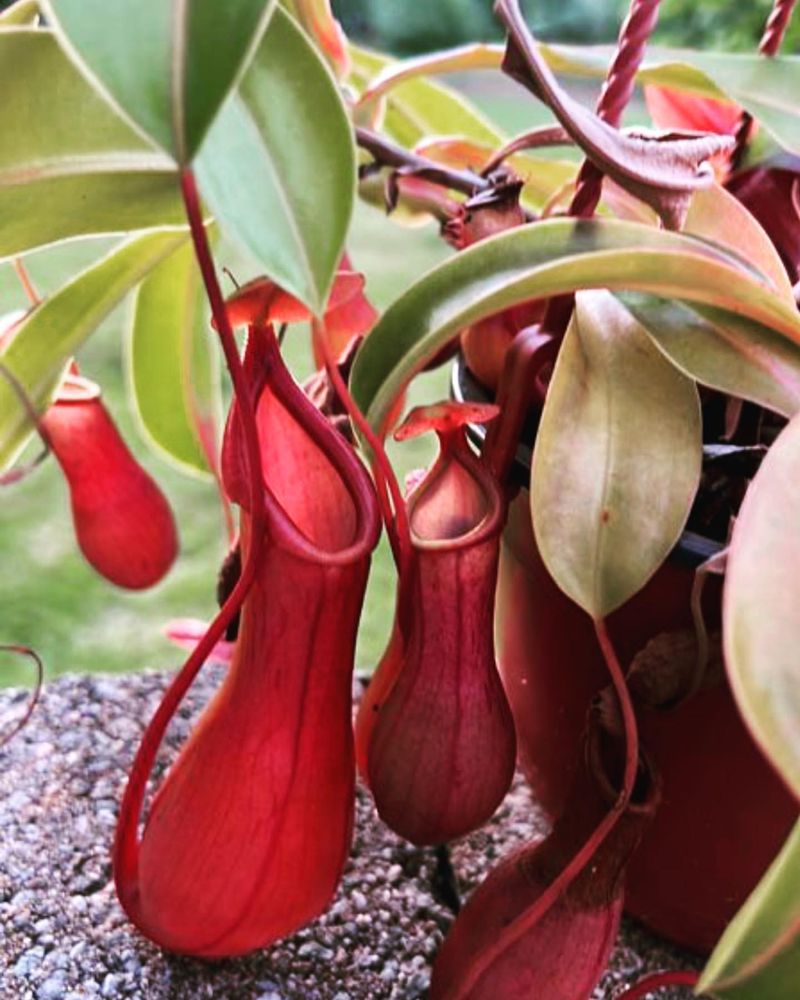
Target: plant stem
x: 396, y: 521
x: 25, y: 280
x: 774, y: 30
x: 517, y: 387
x: 627, y: 710
x: 614, y: 97
x: 388, y: 154
x: 530, y: 917
x: 659, y: 981
x: 126, y: 842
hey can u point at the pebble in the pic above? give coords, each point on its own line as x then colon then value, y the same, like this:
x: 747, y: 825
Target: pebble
x: 64, y: 936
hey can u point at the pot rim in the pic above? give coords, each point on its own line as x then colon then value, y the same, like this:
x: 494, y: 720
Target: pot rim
x: 692, y: 549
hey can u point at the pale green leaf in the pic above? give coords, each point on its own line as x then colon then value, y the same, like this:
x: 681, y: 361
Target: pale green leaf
x: 419, y: 108
x: 23, y: 12
x: 617, y: 458
x: 548, y: 258
x: 765, y: 87
x: 278, y: 166
x: 758, y: 956
x: 760, y: 607
x: 174, y: 377
x: 715, y: 214
x: 69, y: 166
x: 732, y: 353
x: 52, y: 333
x: 167, y: 64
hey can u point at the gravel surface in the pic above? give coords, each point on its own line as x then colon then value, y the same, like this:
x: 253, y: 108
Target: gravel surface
x: 64, y: 937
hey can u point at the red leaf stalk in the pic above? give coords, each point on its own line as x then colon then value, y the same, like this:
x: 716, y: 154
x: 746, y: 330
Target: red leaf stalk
x: 525, y: 920
x: 37, y: 688
x: 660, y: 981
x: 440, y: 746
x: 248, y: 834
x: 771, y: 39
x: 123, y: 523
x: 634, y: 34
x: 563, y: 955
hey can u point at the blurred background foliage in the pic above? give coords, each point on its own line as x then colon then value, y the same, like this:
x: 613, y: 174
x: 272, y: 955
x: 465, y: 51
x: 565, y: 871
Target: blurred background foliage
x: 418, y: 27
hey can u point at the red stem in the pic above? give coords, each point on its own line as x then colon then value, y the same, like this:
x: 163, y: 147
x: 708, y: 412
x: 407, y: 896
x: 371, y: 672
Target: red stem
x: 659, y: 981
x: 126, y: 842
x: 530, y: 917
x: 25, y: 280
x: 614, y: 97
x: 774, y: 30
x: 397, y: 526
x: 37, y: 689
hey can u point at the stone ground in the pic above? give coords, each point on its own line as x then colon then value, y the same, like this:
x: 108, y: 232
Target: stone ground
x: 64, y: 937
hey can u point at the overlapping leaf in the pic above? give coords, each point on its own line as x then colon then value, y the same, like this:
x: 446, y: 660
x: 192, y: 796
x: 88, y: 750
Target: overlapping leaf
x: 762, y: 86
x: 758, y: 956
x: 617, y: 458
x: 167, y: 64
x: 419, y: 108
x: 278, y: 166
x: 761, y: 600
x: 549, y: 258
x: 23, y: 12
x: 69, y: 165
x: 47, y: 339
x: 734, y: 354
x: 173, y: 373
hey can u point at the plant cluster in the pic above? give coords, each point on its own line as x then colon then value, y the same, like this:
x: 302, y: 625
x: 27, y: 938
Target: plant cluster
x: 630, y: 319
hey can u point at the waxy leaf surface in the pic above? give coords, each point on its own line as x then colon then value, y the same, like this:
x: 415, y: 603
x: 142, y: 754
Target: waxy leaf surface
x: 69, y: 165
x: 548, y: 258
x: 167, y: 64
x: 759, y: 953
x: 731, y: 353
x: 52, y: 333
x: 617, y: 457
x: 278, y: 166
x: 174, y: 378
x: 760, y: 606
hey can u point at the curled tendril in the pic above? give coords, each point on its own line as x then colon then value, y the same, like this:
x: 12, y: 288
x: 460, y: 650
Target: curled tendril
x: 37, y: 690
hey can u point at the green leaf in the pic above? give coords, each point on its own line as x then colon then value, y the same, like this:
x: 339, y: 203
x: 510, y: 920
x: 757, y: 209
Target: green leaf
x: 548, y: 258
x: 734, y: 354
x: 418, y: 108
x: 69, y: 166
x: 23, y: 12
x: 758, y: 956
x: 52, y: 333
x: 760, y: 606
x: 278, y: 166
x: 715, y: 214
x: 393, y: 73
x: 169, y: 66
x: 617, y: 458
x: 172, y: 364
x: 764, y: 87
